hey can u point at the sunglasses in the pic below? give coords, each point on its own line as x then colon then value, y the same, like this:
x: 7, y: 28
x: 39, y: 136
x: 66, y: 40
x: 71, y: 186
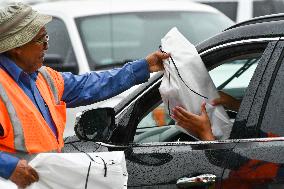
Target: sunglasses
x: 44, y: 40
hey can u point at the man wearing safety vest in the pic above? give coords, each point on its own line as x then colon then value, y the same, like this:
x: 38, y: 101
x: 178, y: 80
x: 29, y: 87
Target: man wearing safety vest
x: 33, y: 98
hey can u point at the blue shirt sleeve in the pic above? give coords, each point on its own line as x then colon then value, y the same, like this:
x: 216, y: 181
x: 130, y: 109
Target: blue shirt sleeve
x: 8, y: 164
x: 85, y: 89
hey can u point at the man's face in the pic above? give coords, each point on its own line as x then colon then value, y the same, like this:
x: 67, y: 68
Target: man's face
x: 31, y: 55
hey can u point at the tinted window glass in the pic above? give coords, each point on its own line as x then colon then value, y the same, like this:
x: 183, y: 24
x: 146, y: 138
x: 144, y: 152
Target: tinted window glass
x: 228, y: 8
x: 261, y: 8
x: 272, y: 122
x: 122, y: 37
x: 59, y: 42
x: 231, y: 72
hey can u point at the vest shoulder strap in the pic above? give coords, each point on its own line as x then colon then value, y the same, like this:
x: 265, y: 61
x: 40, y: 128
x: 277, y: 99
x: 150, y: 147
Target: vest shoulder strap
x: 50, y: 82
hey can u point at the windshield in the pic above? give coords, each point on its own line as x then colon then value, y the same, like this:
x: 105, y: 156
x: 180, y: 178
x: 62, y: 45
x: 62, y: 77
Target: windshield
x: 111, y: 40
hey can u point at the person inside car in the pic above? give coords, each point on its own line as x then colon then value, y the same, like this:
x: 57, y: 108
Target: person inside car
x: 33, y: 98
x: 199, y: 125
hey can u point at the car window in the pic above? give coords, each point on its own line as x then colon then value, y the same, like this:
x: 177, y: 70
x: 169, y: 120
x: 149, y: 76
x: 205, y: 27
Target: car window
x: 228, y: 8
x: 233, y: 74
x: 60, y: 48
x: 261, y: 8
x: 115, y: 39
x: 273, y: 119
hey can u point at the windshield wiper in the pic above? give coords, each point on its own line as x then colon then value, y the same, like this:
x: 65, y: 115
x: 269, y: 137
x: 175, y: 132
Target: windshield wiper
x: 238, y: 73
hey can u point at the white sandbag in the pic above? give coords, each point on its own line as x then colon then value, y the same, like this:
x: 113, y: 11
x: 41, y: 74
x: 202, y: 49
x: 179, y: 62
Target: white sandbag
x: 104, y: 170
x: 70, y: 171
x: 187, y: 83
x: 7, y: 184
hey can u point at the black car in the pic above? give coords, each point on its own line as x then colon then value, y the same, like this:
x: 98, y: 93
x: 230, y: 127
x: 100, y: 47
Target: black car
x: 249, y: 60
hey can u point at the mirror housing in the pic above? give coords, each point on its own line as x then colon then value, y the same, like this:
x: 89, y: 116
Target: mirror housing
x: 95, y: 124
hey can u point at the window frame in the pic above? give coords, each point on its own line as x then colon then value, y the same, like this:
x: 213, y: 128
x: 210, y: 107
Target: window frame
x: 275, y: 65
x: 134, y: 107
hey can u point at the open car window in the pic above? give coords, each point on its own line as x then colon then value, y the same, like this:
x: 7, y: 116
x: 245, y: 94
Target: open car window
x: 233, y: 74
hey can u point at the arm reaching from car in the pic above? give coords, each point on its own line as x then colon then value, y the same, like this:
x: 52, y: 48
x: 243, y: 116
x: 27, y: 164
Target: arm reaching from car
x: 199, y: 125
x: 227, y: 101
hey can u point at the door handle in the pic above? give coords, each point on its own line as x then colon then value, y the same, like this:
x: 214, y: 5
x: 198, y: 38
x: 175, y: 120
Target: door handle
x: 201, y: 180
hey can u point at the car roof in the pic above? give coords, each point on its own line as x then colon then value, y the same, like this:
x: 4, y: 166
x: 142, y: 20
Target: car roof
x: 260, y: 19
x: 85, y: 8
x: 256, y: 29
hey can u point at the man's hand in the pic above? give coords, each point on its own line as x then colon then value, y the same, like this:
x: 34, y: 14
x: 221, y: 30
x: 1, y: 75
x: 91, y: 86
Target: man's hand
x: 198, y: 125
x: 24, y: 175
x: 155, y: 61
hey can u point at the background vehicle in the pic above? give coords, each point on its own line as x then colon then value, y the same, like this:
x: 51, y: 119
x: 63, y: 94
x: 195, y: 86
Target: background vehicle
x: 241, y: 10
x: 159, y: 156
x: 96, y: 35
x: 5, y: 2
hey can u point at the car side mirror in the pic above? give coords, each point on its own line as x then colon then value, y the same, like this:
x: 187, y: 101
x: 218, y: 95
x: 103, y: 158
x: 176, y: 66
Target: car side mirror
x: 95, y: 125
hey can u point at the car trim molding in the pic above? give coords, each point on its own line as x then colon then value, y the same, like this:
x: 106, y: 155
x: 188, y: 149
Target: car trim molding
x: 260, y: 40
x: 139, y: 96
x: 228, y: 141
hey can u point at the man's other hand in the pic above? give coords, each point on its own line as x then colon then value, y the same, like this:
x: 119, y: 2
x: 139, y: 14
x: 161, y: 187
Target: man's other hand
x: 24, y: 175
x: 155, y: 61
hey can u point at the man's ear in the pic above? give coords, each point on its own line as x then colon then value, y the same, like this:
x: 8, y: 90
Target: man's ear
x: 14, y: 52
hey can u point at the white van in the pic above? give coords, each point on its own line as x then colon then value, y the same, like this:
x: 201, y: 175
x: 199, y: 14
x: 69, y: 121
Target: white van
x: 241, y: 10
x: 102, y: 34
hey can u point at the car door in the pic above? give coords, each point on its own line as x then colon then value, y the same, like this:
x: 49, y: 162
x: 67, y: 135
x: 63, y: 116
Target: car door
x: 159, y: 155
x: 257, y: 160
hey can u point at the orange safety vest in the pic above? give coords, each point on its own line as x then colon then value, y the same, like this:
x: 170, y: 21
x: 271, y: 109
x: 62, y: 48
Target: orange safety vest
x: 25, y: 130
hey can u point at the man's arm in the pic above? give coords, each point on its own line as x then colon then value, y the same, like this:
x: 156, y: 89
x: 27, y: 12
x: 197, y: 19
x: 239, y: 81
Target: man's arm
x: 96, y: 86
x: 8, y: 164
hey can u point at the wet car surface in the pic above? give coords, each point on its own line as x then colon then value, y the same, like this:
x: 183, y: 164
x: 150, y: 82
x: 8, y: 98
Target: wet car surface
x: 159, y: 156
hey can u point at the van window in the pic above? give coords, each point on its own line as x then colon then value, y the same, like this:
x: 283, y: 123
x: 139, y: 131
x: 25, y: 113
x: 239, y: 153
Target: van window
x: 112, y: 40
x: 228, y: 8
x: 261, y: 8
x: 59, y: 57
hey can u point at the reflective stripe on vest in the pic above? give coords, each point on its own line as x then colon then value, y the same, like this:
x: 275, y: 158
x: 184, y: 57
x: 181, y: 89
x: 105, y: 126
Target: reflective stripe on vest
x: 19, y: 140
x: 50, y: 82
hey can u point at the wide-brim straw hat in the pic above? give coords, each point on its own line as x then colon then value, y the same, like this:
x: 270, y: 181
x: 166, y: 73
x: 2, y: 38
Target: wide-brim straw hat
x: 19, y: 24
